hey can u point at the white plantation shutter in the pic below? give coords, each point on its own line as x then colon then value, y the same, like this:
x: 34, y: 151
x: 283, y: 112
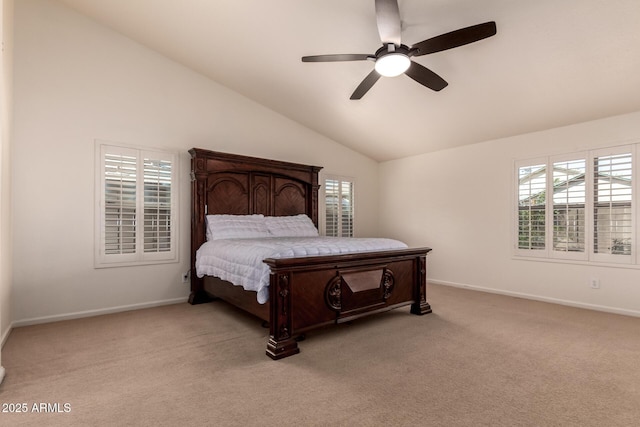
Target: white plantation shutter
x: 338, y: 207
x: 569, y: 198
x: 590, y: 214
x: 120, y: 181
x: 532, y: 182
x: 612, y: 204
x: 346, y: 208
x: 332, y: 203
x: 136, y: 211
x: 157, y: 205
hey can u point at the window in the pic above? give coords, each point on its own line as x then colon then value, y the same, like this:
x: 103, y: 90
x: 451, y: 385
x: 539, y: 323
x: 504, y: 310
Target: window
x: 532, y: 207
x: 136, y: 212
x: 338, y: 196
x: 589, y: 213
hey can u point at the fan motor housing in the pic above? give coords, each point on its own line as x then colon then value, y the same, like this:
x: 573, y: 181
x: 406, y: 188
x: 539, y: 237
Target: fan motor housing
x: 388, y: 49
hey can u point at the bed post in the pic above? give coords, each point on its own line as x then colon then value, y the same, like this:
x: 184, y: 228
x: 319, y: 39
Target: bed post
x: 198, y: 212
x: 281, y: 343
x: 312, y: 211
x: 421, y: 306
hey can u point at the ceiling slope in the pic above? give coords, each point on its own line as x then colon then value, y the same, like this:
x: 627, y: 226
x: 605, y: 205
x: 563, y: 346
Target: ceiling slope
x: 551, y: 63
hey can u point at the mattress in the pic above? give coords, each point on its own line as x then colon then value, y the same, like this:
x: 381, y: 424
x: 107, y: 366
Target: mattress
x: 239, y: 261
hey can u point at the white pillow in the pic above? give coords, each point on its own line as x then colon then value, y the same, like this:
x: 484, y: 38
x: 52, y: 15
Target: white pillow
x: 291, y: 226
x: 236, y: 227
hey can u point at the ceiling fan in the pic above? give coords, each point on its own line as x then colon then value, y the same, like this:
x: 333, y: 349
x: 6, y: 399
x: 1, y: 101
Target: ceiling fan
x: 394, y: 58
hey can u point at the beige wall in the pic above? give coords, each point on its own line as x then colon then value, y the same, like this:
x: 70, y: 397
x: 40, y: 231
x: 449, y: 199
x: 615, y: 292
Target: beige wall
x: 77, y: 81
x: 459, y: 202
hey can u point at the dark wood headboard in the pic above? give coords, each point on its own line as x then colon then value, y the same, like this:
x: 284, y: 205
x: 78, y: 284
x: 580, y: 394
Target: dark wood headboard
x: 225, y: 183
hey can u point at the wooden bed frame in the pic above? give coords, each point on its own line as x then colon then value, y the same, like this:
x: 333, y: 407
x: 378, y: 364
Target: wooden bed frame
x: 305, y: 292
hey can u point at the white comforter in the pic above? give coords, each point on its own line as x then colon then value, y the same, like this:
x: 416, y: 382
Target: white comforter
x: 239, y: 261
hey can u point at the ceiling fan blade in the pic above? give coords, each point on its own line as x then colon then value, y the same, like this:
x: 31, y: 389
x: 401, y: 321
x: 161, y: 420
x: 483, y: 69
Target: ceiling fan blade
x: 388, y: 18
x: 455, y: 38
x: 426, y: 77
x: 336, y: 58
x: 366, y: 84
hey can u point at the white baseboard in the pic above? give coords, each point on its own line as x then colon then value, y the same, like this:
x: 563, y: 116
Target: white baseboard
x: 596, y: 307
x: 4, y: 337
x: 91, y: 313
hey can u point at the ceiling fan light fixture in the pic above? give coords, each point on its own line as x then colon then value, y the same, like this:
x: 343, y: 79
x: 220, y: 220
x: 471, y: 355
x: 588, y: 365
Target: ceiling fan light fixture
x: 394, y: 58
x: 392, y: 64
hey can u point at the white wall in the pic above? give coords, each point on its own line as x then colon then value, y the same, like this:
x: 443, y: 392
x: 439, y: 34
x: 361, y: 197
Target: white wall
x: 6, y: 68
x: 77, y: 81
x: 459, y: 202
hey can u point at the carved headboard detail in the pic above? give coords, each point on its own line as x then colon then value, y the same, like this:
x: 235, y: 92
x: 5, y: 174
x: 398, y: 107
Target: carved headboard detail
x: 225, y: 183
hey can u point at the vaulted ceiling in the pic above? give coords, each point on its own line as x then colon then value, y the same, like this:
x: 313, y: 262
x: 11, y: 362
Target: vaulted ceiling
x: 551, y: 63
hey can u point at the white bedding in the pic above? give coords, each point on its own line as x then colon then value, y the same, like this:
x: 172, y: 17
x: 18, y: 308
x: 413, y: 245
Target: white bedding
x: 239, y: 261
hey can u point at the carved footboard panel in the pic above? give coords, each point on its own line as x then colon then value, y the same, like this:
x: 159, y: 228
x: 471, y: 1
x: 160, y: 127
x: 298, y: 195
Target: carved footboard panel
x: 307, y: 293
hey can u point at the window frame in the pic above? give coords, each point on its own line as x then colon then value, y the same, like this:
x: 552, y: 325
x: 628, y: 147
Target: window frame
x: 323, y: 215
x: 589, y: 255
x: 139, y: 257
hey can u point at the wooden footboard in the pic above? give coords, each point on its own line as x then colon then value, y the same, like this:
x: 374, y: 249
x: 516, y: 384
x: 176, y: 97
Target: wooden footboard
x: 309, y: 292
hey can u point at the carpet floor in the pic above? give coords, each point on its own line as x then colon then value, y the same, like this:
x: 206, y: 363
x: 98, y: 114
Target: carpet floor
x: 478, y: 360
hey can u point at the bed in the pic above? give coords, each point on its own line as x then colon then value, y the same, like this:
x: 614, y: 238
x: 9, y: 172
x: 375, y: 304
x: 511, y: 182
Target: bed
x: 304, y: 292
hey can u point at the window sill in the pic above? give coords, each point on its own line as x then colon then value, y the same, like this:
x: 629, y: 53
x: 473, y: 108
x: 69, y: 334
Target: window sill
x: 134, y: 263
x: 577, y: 262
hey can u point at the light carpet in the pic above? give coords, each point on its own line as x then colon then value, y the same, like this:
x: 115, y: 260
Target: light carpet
x: 479, y: 360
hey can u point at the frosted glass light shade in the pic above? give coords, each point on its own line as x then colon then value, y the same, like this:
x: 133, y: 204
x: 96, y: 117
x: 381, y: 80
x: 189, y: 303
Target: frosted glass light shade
x: 392, y: 64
